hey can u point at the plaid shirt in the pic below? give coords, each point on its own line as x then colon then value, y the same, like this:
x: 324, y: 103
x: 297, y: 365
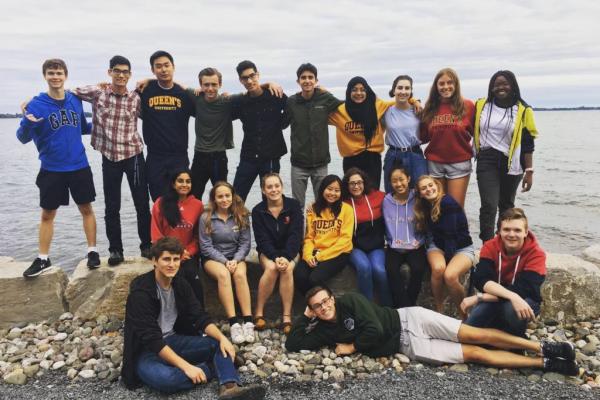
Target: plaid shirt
x: 115, y: 117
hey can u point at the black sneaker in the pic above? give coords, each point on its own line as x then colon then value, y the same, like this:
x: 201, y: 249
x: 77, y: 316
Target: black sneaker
x: 115, y: 258
x: 146, y: 253
x: 232, y: 390
x: 561, y: 366
x: 38, y: 267
x: 93, y: 260
x: 564, y: 350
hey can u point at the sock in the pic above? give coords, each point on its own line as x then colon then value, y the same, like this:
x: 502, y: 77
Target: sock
x: 247, y: 318
x: 43, y: 256
x: 92, y: 248
x: 233, y: 320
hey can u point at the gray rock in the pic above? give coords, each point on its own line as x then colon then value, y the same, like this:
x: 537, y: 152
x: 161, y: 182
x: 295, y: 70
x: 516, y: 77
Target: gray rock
x: 592, y: 254
x: 60, y: 336
x: 402, y: 358
x: 65, y: 316
x: 87, y: 374
x: 16, y: 377
x: 589, y: 349
x: 58, y: 365
x: 327, y: 361
x: 553, y: 377
x: 534, y: 378
x: 337, y: 375
x: 459, y: 368
x: 259, y: 351
x: 86, y: 353
x: 31, y: 370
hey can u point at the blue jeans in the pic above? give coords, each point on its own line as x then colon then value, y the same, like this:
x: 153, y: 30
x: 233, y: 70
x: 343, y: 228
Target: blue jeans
x: 201, y: 351
x: 248, y: 170
x: 370, y: 271
x: 500, y: 315
x: 415, y: 163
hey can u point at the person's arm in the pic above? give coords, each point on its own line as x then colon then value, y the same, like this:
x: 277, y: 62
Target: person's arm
x: 155, y: 222
x: 345, y: 236
x: 332, y: 102
x: 263, y: 241
x: 87, y: 93
x: 521, y: 307
x: 225, y: 345
x: 207, y: 247
x: 452, y: 215
x: 244, y: 244
x: 86, y: 127
x: 28, y: 124
x: 308, y: 333
x: 424, y: 135
x: 195, y: 374
x: 309, y: 238
x: 368, y: 328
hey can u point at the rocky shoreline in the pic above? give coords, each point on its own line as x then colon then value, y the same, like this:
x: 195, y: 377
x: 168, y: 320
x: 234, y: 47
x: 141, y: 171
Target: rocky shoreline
x: 84, y: 351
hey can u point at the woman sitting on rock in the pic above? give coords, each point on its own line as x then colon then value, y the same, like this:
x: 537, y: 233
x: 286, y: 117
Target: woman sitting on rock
x: 224, y: 243
x: 277, y: 224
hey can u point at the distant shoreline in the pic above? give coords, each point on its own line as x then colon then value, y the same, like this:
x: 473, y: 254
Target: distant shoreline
x: 580, y: 108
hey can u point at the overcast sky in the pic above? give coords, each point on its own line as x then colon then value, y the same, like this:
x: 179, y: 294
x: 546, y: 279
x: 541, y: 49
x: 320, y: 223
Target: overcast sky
x: 552, y: 46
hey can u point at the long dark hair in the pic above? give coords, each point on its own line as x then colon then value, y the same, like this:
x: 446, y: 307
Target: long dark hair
x: 364, y: 113
x: 321, y: 204
x: 168, y: 206
x: 367, y: 184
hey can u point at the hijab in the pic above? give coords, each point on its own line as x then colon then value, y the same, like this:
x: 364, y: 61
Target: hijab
x: 364, y: 113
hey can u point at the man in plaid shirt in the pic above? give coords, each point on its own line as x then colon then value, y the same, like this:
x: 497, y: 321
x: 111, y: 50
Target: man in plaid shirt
x: 115, y: 135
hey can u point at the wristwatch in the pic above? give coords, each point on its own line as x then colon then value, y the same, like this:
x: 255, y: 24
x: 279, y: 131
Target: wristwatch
x: 479, y: 297
x: 530, y: 169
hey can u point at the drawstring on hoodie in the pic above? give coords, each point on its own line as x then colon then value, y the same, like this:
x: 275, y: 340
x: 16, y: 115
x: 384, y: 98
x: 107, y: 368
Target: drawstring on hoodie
x: 356, y: 217
x: 500, y: 268
x: 405, y: 219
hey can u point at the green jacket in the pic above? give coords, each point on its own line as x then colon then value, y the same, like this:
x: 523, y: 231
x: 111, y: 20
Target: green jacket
x: 374, y: 330
x: 309, y: 130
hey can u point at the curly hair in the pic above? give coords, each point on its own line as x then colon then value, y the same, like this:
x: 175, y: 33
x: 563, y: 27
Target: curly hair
x: 426, y: 210
x: 433, y: 101
x: 367, y: 184
x: 238, y: 210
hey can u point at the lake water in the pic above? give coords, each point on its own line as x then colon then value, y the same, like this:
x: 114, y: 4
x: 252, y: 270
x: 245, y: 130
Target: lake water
x: 563, y: 206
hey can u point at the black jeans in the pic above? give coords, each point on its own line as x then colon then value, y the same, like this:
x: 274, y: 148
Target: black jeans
x: 159, y: 168
x: 190, y: 270
x: 112, y: 176
x: 306, y: 277
x: 369, y: 162
x: 497, y: 189
x: 405, y: 285
x: 207, y: 166
x: 248, y: 170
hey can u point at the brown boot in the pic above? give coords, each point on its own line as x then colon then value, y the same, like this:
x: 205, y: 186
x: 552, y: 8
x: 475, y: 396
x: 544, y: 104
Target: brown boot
x: 232, y: 390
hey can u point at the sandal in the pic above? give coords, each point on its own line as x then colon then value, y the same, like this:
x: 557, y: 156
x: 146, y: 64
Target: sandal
x: 260, y: 323
x: 286, y: 326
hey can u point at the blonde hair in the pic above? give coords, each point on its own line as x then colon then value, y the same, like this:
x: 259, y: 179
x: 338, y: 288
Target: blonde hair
x: 433, y: 101
x: 238, y: 210
x: 424, y: 209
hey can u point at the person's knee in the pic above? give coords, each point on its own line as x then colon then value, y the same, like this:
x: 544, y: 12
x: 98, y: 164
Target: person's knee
x: 239, y: 277
x: 437, y: 270
x: 451, y: 278
x: 223, y: 276
x: 86, y: 209
x: 48, y: 215
x: 475, y: 354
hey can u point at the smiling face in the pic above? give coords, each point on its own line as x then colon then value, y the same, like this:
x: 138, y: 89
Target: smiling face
x: 307, y: 81
x: 119, y: 75
x: 358, y: 94
x: 356, y: 185
x: 332, y: 193
x: 323, y: 305
x: 183, y: 184
x: 501, y: 88
x: 273, y: 189
x: 428, y: 189
x: 223, y: 198
x: 513, y: 233
x: 249, y: 78
x: 166, y: 266
x: 163, y: 69
x: 210, y: 87
x: 399, y: 181
x: 402, y: 91
x: 445, y: 86
x: 56, y: 78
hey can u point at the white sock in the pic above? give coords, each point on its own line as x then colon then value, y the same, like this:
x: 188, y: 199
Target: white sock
x: 43, y: 256
x: 92, y: 248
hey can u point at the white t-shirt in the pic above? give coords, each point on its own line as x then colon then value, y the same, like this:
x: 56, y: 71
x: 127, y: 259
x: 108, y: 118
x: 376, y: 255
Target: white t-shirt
x: 496, y: 128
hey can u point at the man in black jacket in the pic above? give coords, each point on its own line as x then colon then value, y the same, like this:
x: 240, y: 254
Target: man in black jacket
x: 163, y: 345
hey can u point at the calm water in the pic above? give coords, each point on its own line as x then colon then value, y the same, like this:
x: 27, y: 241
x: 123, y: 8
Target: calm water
x: 563, y: 206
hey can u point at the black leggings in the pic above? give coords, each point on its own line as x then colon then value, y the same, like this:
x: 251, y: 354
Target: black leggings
x: 405, y: 285
x: 306, y: 277
x: 190, y: 270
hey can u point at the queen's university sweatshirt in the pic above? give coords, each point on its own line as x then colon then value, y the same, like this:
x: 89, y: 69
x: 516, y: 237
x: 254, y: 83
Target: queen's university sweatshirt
x: 328, y: 235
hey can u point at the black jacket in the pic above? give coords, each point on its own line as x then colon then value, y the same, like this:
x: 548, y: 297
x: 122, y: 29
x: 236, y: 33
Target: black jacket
x: 142, y: 331
x: 281, y: 237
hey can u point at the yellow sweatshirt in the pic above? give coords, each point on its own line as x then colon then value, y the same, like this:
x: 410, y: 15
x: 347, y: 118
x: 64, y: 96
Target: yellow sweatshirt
x: 330, y: 236
x: 351, y: 135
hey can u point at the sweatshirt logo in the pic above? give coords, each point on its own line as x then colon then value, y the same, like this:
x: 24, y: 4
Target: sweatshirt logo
x: 349, y: 324
x: 445, y: 119
x: 286, y: 220
x: 164, y: 103
x: 63, y: 118
x: 323, y: 226
x: 354, y: 128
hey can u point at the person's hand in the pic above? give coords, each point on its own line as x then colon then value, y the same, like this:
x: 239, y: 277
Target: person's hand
x: 309, y: 313
x: 227, y: 348
x: 527, y: 182
x: 275, y: 89
x: 322, y: 88
x: 344, y: 349
x: 231, y: 265
x: 312, y: 262
x: 24, y: 106
x: 198, y: 91
x: 103, y: 85
x: 186, y: 255
x: 141, y: 85
x: 32, y: 118
x: 417, y: 105
x: 522, y: 308
x: 195, y: 374
x: 282, y: 263
x: 467, y: 304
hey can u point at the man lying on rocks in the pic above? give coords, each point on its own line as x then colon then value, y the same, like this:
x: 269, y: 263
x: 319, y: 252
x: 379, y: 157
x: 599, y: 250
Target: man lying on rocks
x: 352, y: 323
x: 164, y: 346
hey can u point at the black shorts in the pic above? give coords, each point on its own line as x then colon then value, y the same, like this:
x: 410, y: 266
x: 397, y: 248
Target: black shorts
x: 55, y: 186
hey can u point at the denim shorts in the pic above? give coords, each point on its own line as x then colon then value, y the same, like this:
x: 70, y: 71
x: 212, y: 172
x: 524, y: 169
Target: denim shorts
x: 450, y: 170
x: 468, y: 251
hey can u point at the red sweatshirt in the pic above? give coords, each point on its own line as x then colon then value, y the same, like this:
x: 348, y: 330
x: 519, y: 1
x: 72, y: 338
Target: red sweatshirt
x: 186, y: 231
x: 449, y: 138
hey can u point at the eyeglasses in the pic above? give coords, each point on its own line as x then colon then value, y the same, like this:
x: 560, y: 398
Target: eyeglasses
x: 250, y: 77
x: 123, y: 72
x: 356, y: 183
x: 319, y: 306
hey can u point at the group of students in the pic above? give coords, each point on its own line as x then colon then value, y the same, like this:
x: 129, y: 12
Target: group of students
x: 390, y: 237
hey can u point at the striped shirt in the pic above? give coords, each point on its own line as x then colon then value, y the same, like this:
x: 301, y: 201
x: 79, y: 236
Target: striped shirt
x: 114, y: 128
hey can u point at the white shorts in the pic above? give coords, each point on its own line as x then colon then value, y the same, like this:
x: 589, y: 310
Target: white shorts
x: 429, y: 336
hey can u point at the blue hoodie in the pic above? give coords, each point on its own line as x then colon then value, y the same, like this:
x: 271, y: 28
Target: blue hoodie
x: 400, y: 223
x: 58, y: 135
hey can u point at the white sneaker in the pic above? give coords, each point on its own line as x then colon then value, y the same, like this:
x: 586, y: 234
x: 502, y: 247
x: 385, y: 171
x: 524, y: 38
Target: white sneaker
x: 237, y: 333
x: 248, y: 328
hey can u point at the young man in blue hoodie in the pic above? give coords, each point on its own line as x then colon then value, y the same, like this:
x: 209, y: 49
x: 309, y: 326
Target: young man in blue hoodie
x: 55, y: 122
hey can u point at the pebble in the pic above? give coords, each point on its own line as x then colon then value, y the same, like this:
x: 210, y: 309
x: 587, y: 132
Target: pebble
x: 459, y: 368
x: 31, y: 370
x: 553, y: 377
x: 60, y: 336
x: 58, y: 365
x: 87, y: 374
x: 16, y: 377
x: 259, y: 351
x: 402, y: 358
x: 337, y: 375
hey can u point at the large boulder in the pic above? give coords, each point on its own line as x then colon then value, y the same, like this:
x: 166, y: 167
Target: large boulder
x: 572, y: 286
x: 103, y: 290
x: 29, y: 300
x: 592, y: 254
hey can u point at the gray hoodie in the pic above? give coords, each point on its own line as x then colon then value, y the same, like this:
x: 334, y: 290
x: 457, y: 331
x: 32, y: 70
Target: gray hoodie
x: 226, y: 241
x: 400, y: 223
